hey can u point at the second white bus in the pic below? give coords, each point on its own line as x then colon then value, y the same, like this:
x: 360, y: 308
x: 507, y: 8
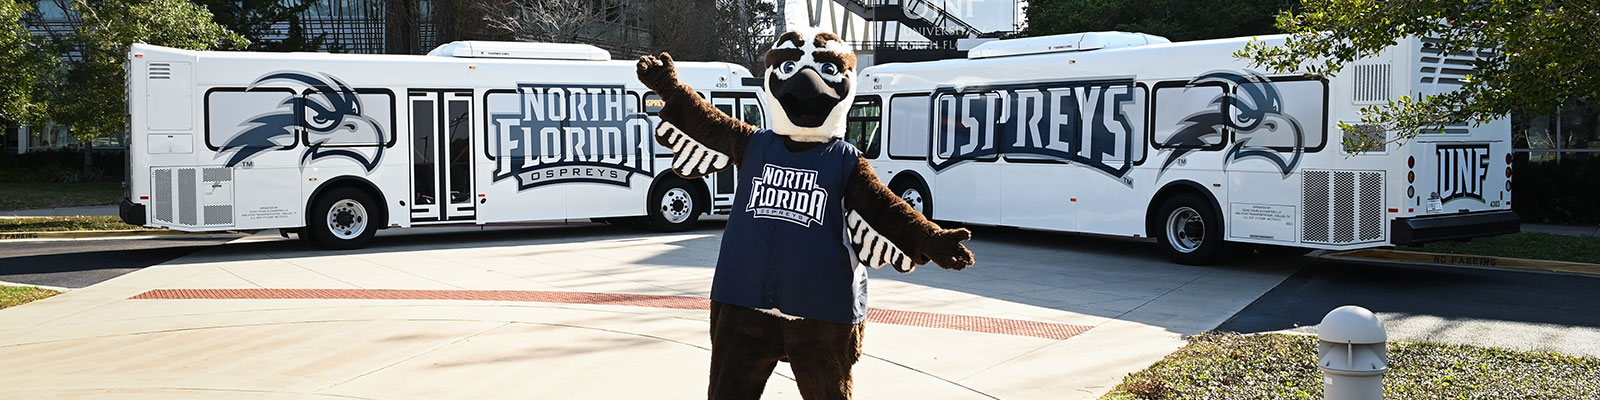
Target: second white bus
x: 1127, y: 134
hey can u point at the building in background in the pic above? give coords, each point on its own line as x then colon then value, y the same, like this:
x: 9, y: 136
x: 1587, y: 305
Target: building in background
x: 885, y: 31
x: 1570, y: 133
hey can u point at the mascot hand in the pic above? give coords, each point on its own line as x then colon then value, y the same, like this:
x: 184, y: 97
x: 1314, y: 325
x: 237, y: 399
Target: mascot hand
x: 657, y: 72
x: 945, y: 249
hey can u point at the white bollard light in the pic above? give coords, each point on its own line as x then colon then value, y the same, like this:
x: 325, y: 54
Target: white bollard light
x: 1353, y: 354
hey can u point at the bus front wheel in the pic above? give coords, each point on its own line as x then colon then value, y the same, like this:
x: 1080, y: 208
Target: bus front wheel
x: 1190, y: 230
x: 673, y: 206
x: 342, y: 219
x: 916, y: 195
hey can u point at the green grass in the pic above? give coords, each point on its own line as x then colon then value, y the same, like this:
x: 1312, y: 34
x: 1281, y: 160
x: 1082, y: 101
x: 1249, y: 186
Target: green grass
x: 12, y: 296
x: 1276, y: 366
x: 63, y: 224
x: 24, y: 196
x: 1539, y: 246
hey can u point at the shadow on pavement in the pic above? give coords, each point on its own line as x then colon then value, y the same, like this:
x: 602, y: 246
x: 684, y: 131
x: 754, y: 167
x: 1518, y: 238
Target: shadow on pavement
x: 80, y: 263
x: 1421, y: 290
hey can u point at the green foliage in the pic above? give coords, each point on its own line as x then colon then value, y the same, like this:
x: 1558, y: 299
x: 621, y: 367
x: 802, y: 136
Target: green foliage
x: 1230, y: 366
x: 28, y: 67
x: 65, y: 224
x: 257, y: 21
x: 1531, y: 54
x: 1554, y: 193
x: 63, y: 165
x: 1275, y: 366
x: 93, y: 99
x: 1177, y: 20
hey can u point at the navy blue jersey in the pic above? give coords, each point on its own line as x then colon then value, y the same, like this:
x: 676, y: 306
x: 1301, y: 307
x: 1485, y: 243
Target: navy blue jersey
x: 785, y: 246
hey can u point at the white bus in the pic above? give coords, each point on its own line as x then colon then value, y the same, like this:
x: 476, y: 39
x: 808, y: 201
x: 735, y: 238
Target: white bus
x: 335, y: 147
x: 1130, y: 135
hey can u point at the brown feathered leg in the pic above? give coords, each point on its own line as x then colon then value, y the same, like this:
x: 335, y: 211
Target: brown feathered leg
x: 745, y: 347
x: 823, y: 355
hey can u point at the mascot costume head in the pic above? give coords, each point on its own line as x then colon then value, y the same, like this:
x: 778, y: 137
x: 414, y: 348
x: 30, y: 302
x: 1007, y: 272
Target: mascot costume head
x: 810, y: 83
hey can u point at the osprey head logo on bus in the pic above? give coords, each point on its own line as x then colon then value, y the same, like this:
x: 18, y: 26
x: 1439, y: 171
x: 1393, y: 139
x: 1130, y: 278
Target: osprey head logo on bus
x: 569, y: 134
x: 329, y: 112
x: 1097, y: 123
x: 1249, y: 106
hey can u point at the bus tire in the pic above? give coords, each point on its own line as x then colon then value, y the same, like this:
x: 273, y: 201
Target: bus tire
x: 915, y: 194
x: 1189, y: 230
x: 674, y: 206
x: 342, y: 219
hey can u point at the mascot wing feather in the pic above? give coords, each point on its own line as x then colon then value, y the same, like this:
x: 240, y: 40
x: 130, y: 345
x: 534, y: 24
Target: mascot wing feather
x: 690, y: 158
x: 883, y: 229
x: 703, y: 139
x: 873, y: 249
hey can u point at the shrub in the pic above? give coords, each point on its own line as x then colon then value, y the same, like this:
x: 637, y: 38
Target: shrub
x: 1566, y: 193
x: 63, y: 165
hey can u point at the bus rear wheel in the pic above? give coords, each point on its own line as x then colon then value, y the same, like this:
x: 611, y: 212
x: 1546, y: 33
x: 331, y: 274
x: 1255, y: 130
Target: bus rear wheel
x: 674, y: 206
x: 1189, y: 230
x: 342, y: 219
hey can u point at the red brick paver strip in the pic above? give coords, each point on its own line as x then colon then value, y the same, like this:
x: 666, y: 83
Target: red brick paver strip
x: 1046, y: 330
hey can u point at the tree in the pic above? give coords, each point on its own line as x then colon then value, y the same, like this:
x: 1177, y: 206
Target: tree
x: 555, y: 21
x: 93, y: 98
x: 1530, y: 55
x: 1177, y: 20
x: 259, y: 22
x: 28, y: 68
x: 745, y: 29
x: 680, y: 28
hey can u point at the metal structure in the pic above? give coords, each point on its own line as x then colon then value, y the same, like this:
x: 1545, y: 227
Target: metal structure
x: 939, y: 28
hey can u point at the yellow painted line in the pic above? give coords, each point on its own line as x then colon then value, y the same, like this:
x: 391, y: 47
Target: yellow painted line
x: 1471, y: 261
x: 104, y: 234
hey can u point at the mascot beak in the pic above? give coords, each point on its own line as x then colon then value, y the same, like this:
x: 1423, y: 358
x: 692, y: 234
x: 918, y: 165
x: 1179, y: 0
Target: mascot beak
x: 807, y: 98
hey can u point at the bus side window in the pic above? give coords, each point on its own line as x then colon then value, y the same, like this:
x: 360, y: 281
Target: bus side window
x: 910, y: 117
x: 1174, y: 108
x: 862, y: 123
x: 751, y: 111
x: 1300, y: 118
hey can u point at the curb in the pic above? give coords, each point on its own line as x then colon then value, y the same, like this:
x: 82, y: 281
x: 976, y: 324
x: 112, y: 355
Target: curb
x: 108, y: 234
x: 1463, y: 260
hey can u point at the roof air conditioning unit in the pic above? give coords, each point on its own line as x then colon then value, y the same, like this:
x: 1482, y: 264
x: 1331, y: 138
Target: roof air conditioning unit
x: 1063, y: 43
x: 537, y: 51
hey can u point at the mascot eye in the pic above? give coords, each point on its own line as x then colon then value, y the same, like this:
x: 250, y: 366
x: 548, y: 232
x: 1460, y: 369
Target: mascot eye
x: 830, y: 69
x: 787, y: 67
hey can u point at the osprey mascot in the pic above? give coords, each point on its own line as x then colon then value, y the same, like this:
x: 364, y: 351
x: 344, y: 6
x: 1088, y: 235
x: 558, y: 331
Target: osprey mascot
x: 808, y: 218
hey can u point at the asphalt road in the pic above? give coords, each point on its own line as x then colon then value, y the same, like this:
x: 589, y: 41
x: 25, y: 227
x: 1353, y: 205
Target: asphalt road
x: 1502, y: 308
x: 83, y: 262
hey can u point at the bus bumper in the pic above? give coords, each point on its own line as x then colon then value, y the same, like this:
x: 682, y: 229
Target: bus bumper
x: 1454, y: 226
x: 132, y: 214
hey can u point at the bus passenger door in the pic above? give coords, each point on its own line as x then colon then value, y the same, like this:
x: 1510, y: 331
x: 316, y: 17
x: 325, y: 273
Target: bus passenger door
x: 744, y: 107
x: 441, y: 156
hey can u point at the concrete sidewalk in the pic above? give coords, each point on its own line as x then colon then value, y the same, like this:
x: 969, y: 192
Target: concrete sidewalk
x: 594, y: 312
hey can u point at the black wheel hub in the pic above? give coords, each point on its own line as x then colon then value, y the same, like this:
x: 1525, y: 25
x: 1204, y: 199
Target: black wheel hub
x: 344, y: 218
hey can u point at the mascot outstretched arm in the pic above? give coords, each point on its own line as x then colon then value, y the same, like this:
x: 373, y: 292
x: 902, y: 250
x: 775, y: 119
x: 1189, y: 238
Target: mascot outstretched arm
x: 809, y: 217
